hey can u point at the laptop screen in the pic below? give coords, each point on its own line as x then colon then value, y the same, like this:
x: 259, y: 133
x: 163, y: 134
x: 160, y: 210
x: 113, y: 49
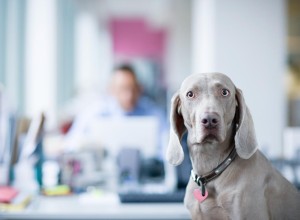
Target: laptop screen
x: 114, y: 133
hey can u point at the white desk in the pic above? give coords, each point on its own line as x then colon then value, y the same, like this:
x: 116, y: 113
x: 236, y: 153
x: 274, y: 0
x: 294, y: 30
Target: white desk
x: 72, y: 207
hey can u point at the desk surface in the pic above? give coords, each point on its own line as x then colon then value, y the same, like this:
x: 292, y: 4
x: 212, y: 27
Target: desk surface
x: 76, y: 207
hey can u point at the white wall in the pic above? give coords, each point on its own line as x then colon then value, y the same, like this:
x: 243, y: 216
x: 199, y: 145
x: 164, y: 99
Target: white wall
x: 93, y: 53
x: 246, y: 40
x: 178, y: 55
x: 41, y: 63
x: 203, y: 35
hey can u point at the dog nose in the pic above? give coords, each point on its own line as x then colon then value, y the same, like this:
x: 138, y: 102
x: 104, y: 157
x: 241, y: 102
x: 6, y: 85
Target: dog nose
x: 210, y: 120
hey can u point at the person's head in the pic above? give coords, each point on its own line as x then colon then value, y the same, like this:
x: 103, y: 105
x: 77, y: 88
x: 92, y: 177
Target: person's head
x: 125, y: 87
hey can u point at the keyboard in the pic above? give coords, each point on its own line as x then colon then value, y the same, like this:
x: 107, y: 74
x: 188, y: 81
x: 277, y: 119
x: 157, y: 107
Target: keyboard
x: 141, y: 197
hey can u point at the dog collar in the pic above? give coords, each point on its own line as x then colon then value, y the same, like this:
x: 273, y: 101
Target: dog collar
x: 202, y: 180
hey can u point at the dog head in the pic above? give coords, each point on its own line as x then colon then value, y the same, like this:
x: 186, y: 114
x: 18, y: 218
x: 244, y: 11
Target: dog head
x: 208, y: 106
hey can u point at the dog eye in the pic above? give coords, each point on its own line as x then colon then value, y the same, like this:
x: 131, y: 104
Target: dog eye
x: 225, y: 92
x: 190, y: 94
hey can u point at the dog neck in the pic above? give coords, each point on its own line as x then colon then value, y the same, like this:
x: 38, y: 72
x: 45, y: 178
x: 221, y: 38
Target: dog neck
x: 206, y: 156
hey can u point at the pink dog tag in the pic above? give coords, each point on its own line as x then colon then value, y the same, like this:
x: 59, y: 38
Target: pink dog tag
x: 198, y: 195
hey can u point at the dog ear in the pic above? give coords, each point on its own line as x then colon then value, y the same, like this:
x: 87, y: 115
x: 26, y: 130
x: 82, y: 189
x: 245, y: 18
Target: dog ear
x: 245, y: 139
x: 175, y: 153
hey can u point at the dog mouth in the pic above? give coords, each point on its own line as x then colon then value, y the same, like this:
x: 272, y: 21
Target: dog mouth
x: 209, y: 136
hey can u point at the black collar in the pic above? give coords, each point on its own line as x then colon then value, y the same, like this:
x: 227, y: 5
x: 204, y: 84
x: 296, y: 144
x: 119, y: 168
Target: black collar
x: 204, y: 179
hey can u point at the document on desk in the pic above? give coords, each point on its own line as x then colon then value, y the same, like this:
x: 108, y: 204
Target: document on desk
x: 100, y: 198
x: 135, y: 132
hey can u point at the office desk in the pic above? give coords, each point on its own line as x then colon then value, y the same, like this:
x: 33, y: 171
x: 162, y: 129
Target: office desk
x: 72, y: 207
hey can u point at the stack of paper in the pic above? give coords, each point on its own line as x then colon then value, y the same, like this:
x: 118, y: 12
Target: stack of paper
x: 13, y: 200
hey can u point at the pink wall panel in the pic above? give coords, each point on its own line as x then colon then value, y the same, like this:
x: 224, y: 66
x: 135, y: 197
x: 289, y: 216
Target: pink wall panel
x: 135, y: 38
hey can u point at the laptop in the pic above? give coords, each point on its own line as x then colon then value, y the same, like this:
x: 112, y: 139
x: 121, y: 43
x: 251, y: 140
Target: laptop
x: 116, y: 133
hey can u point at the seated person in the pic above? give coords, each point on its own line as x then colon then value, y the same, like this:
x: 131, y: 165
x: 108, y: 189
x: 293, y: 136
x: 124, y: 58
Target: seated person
x: 124, y: 99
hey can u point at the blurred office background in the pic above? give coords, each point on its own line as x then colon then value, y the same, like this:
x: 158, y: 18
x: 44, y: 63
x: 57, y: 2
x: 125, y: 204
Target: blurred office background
x: 55, y: 56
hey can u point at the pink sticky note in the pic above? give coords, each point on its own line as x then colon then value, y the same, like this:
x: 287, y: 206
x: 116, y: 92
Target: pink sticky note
x: 198, y: 195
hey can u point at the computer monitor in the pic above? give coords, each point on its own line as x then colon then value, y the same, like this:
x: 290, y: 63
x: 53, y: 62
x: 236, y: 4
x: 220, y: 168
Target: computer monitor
x: 116, y: 133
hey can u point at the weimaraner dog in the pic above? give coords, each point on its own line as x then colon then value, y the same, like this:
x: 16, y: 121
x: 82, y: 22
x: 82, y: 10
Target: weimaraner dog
x: 231, y: 179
